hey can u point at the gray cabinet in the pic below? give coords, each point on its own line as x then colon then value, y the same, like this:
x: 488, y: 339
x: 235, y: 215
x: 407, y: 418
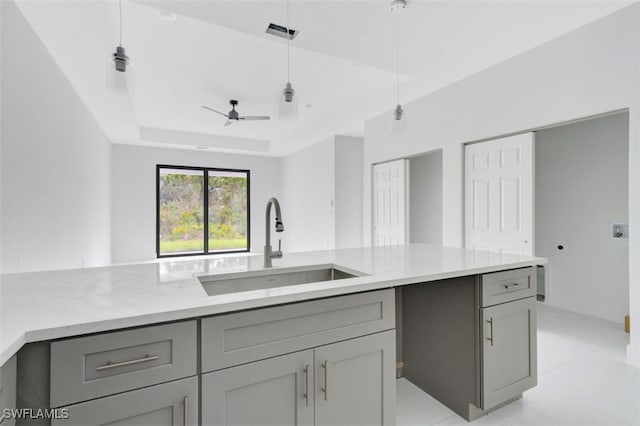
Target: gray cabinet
x: 242, y: 337
x: 168, y: 404
x: 103, y: 364
x: 276, y: 391
x: 470, y: 342
x: 8, y: 373
x: 254, y: 367
x: 350, y: 382
x: 355, y: 381
x: 508, y: 351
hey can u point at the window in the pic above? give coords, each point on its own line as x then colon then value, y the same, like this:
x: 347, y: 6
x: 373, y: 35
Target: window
x: 184, y: 201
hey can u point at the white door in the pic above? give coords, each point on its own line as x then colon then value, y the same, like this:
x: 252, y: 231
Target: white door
x: 498, y: 195
x: 390, y: 189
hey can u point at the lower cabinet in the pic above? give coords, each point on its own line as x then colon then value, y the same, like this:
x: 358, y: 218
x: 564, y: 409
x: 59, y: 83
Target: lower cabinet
x: 470, y: 342
x: 8, y: 373
x: 169, y: 404
x: 275, y: 391
x: 356, y: 381
x: 346, y: 383
x: 508, y: 350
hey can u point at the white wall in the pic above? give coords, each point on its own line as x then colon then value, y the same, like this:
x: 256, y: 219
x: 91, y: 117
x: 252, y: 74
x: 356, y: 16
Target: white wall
x: 55, y: 161
x: 322, y: 195
x: 1, y: 44
x: 134, y: 193
x: 308, y: 182
x: 581, y: 188
x: 348, y: 191
x: 425, y: 198
x: 589, y: 71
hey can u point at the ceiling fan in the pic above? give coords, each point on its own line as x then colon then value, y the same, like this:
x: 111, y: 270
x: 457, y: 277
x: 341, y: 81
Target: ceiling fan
x: 234, y: 116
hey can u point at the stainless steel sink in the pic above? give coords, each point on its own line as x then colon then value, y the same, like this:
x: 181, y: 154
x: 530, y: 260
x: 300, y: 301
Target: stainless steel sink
x: 271, y: 278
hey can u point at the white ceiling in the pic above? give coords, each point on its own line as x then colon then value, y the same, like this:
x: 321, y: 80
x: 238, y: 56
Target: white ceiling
x: 343, y: 61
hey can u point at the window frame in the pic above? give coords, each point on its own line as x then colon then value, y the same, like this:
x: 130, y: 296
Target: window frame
x: 205, y: 171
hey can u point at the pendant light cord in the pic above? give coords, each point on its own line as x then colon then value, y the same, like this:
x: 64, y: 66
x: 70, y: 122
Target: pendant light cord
x: 120, y: 6
x: 398, y: 53
x: 288, y: 47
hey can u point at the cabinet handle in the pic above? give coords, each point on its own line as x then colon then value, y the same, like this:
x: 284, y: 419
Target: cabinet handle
x: 490, y: 321
x: 508, y: 286
x: 306, y: 384
x: 185, y: 403
x: 325, y: 389
x: 109, y: 365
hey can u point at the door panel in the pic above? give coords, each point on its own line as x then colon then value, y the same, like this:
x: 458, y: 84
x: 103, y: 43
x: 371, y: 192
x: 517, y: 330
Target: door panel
x: 262, y: 393
x: 390, y: 188
x: 499, y: 195
x: 355, y: 381
x: 169, y: 404
x: 508, y: 350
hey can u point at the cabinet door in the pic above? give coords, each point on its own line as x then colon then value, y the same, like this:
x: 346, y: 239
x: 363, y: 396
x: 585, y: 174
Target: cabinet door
x: 169, y: 404
x: 508, y: 351
x: 276, y: 391
x: 355, y: 381
x: 8, y: 373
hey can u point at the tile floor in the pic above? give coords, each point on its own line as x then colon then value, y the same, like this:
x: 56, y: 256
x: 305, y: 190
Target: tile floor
x: 583, y: 380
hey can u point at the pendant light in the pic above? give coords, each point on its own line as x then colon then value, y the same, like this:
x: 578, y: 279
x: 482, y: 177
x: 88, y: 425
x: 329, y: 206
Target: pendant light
x: 398, y: 121
x: 289, y: 101
x: 120, y: 77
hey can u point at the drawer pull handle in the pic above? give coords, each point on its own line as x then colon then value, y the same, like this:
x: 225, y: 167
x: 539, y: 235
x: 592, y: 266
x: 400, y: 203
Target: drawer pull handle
x: 325, y: 389
x: 306, y: 384
x: 508, y: 286
x: 490, y: 321
x: 109, y: 365
x: 185, y: 401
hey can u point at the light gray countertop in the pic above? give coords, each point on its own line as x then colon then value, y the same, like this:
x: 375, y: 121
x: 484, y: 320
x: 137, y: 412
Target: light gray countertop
x: 48, y: 305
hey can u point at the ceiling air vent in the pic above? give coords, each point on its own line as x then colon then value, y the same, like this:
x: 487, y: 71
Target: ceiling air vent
x: 280, y: 31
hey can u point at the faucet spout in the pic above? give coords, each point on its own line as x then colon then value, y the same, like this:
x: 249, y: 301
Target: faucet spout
x: 270, y: 254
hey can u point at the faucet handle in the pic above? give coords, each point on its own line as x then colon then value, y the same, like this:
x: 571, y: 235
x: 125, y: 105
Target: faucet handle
x: 279, y: 244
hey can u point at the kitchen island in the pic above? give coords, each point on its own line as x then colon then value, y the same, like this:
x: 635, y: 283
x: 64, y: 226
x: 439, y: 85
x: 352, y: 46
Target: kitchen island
x: 56, y: 306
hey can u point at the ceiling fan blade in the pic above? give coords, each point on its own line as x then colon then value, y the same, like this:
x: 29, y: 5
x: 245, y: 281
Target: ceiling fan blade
x: 255, y: 117
x: 229, y: 122
x: 213, y: 110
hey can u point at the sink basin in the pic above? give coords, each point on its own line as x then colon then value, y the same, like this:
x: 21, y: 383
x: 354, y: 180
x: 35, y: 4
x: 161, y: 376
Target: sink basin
x: 271, y: 278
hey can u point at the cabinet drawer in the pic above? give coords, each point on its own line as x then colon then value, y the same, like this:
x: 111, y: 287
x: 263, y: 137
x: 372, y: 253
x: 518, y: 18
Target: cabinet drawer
x: 243, y: 337
x: 168, y: 404
x: 505, y: 286
x: 103, y: 364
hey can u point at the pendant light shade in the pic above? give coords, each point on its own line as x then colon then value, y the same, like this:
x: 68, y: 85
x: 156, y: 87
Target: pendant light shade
x: 120, y: 71
x: 288, y: 103
x: 398, y: 121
